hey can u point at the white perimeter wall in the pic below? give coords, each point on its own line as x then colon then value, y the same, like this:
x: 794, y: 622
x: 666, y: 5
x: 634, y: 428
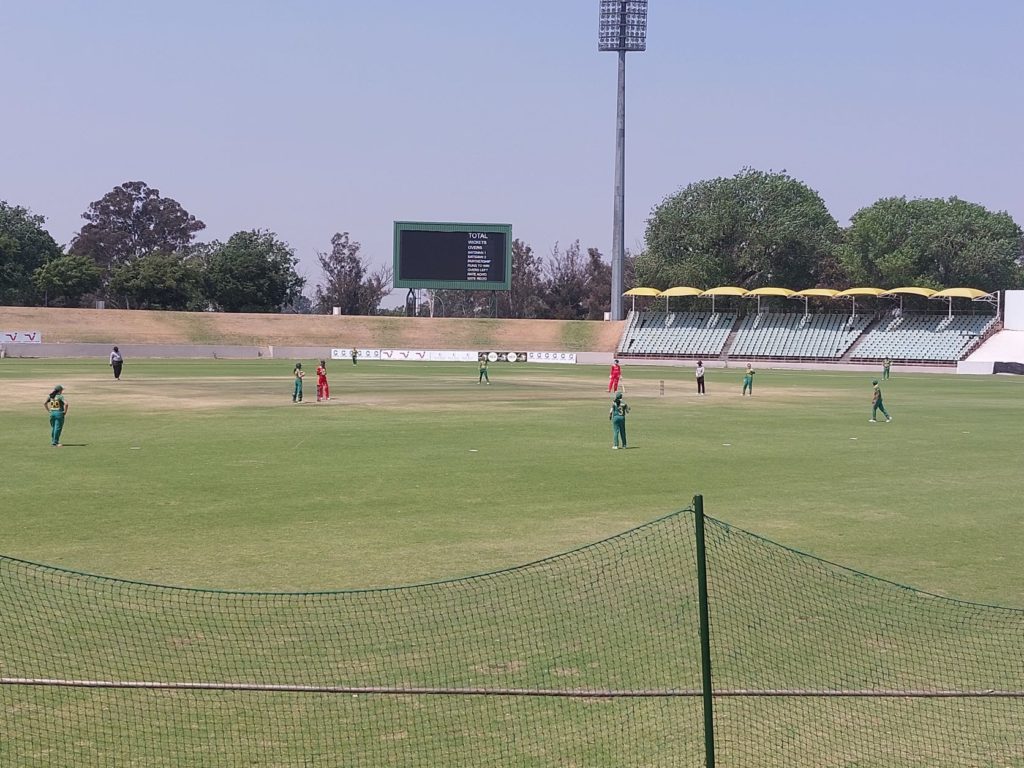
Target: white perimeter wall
x: 1013, y: 310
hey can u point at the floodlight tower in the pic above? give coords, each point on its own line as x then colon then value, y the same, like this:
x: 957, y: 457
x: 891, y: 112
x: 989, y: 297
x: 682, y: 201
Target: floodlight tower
x: 622, y: 27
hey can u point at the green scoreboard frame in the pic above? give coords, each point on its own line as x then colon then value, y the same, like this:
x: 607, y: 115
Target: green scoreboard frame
x: 453, y: 255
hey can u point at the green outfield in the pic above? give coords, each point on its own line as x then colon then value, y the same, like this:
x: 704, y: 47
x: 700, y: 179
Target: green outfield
x: 203, y: 473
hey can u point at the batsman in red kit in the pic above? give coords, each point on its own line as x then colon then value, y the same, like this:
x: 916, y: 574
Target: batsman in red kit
x: 323, y: 389
x: 613, y: 378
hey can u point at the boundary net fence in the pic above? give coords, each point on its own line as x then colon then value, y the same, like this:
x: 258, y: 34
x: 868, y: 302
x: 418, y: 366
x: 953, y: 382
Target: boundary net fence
x: 589, y: 658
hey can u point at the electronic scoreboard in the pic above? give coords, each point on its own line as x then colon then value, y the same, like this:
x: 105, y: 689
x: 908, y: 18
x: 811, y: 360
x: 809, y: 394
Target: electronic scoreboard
x: 448, y: 255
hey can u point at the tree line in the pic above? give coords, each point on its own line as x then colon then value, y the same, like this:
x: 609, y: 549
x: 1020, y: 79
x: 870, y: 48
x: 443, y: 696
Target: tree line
x: 139, y: 249
x: 759, y: 229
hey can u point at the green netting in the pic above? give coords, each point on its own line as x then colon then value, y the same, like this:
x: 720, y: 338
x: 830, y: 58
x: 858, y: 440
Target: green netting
x: 591, y: 658
x: 617, y: 616
x: 784, y: 622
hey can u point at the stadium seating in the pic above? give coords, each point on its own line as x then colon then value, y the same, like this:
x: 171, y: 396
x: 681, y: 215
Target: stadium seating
x: 797, y: 335
x: 676, y: 333
x: 830, y: 336
x: 923, y: 337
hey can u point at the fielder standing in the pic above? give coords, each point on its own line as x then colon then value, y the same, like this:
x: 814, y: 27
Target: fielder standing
x: 617, y: 416
x: 57, y: 407
x: 298, y: 373
x: 748, y: 381
x: 876, y: 403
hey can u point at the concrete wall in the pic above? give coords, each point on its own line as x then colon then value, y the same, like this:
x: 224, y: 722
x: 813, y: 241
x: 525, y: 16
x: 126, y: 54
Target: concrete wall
x: 978, y: 367
x: 102, y: 351
x: 1013, y: 310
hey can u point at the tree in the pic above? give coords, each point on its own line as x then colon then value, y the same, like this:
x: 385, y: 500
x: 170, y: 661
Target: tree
x: 598, y: 285
x: 565, y: 283
x: 160, y: 281
x: 131, y: 221
x: 457, y: 303
x: 64, y: 280
x: 934, y: 243
x: 300, y: 305
x: 24, y: 247
x: 252, y: 272
x: 348, y: 281
x: 752, y: 230
x: 524, y: 299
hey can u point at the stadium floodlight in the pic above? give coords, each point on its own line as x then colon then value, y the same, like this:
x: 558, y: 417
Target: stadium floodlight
x: 622, y: 27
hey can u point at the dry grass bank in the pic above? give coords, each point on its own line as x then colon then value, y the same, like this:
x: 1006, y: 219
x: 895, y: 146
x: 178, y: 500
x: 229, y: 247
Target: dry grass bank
x: 117, y: 326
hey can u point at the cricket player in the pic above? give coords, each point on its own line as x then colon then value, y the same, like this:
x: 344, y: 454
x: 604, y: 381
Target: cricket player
x: 323, y: 389
x: 298, y: 373
x: 614, y: 376
x: 617, y: 416
x: 57, y: 407
x: 876, y: 403
x: 885, y: 368
x: 748, y: 381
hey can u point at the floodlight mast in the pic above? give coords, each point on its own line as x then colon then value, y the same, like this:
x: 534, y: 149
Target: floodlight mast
x: 622, y: 27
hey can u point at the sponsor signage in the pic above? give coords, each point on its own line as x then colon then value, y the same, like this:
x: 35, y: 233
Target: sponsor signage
x: 21, y: 337
x: 361, y: 354
x: 454, y: 356
x: 503, y: 357
x: 566, y: 358
x: 428, y: 355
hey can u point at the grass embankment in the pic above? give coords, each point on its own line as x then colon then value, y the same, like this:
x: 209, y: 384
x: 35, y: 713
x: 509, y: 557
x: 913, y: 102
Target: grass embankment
x: 142, y: 327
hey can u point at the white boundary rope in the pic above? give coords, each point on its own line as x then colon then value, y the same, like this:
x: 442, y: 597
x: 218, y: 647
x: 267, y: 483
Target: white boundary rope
x: 574, y: 694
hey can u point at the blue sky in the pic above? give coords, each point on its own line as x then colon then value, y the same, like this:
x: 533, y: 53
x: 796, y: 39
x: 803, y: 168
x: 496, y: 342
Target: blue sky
x: 317, y: 116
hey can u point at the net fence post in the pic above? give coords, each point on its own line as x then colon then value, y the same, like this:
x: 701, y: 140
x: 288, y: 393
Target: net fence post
x: 705, y: 633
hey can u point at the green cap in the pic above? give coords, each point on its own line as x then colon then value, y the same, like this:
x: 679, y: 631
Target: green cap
x: 59, y: 388
x: 874, y: 381
x: 618, y: 395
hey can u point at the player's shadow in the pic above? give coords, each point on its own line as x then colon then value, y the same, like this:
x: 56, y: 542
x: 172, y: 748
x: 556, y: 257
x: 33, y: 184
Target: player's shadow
x: 74, y: 445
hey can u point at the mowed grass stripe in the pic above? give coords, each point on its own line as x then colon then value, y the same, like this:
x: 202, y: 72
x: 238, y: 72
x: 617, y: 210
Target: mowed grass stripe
x: 203, y: 473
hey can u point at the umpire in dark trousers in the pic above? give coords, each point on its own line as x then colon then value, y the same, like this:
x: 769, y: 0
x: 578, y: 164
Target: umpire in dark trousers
x: 116, y: 362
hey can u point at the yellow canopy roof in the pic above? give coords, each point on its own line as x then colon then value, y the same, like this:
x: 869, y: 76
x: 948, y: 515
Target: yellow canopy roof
x: 725, y: 290
x: 911, y: 290
x: 861, y: 292
x: 682, y: 290
x: 959, y: 293
x: 827, y: 293
x: 642, y: 292
x: 770, y: 292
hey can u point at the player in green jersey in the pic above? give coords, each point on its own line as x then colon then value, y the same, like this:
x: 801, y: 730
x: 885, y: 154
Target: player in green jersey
x: 886, y: 364
x: 617, y: 415
x: 298, y: 373
x: 876, y: 403
x: 748, y: 381
x: 483, y: 371
x: 57, y: 407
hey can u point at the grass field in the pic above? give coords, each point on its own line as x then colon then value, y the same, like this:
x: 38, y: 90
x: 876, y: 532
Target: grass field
x: 203, y: 473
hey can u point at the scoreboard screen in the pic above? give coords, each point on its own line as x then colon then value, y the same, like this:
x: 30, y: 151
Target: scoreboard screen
x: 475, y: 257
